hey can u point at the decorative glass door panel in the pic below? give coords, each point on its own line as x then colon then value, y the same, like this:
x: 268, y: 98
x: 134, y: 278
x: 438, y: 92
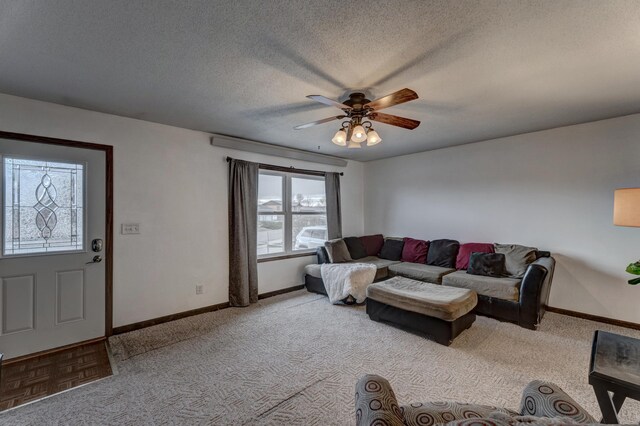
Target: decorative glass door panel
x: 52, y: 280
x: 44, y: 207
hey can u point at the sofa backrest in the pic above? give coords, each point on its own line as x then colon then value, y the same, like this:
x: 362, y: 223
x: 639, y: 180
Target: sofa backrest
x: 323, y: 256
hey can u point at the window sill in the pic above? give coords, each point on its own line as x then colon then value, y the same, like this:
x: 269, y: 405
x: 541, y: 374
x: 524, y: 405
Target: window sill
x: 285, y: 256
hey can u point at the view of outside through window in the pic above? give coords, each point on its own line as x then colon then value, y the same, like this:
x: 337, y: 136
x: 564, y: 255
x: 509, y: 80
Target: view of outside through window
x: 270, y: 214
x: 305, y: 214
x: 309, y: 219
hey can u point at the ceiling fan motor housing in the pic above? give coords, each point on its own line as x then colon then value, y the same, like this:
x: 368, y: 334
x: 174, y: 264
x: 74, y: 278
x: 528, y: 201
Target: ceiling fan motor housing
x: 356, y: 101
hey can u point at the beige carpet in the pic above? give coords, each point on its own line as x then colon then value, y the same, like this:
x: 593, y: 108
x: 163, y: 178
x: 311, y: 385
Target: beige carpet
x: 294, y: 359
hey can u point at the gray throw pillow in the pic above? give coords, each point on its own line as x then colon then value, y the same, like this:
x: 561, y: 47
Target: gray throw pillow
x: 337, y: 251
x: 517, y: 258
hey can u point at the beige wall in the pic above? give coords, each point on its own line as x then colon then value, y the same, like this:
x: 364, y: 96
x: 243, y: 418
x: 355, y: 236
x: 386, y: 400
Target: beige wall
x: 551, y: 189
x: 174, y: 183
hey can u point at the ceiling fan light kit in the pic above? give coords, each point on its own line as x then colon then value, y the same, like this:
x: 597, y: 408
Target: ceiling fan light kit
x: 358, y: 109
x: 359, y: 134
x: 340, y: 138
x: 373, y: 138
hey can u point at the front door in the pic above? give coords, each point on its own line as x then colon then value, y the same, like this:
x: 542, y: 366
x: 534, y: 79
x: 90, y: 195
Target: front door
x: 52, y: 269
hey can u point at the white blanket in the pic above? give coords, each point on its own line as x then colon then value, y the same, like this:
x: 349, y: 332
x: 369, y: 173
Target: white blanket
x: 344, y: 279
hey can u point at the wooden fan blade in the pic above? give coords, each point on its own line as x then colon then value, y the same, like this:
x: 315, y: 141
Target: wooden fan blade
x: 396, y: 98
x: 349, y: 132
x: 394, y: 120
x: 314, y: 123
x: 327, y: 101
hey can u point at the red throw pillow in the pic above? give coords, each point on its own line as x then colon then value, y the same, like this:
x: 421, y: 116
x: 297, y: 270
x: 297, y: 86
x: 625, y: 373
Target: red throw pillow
x: 462, y: 262
x: 372, y: 244
x: 415, y: 251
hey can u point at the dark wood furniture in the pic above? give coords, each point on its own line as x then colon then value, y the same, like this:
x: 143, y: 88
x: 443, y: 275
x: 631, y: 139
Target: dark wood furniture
x: 614, y: 367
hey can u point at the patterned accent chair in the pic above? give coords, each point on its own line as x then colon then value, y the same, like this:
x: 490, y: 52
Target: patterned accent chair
x: 542, y: 403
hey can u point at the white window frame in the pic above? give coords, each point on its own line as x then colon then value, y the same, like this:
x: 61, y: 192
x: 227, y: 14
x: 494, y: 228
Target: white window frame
x: 288, y: 212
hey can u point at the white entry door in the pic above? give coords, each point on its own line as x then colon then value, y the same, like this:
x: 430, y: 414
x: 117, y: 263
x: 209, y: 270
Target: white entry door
x: 52, y: 269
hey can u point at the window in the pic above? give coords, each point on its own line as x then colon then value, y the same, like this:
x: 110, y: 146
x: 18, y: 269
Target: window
x: 43, y: 207
x: 292, y: 215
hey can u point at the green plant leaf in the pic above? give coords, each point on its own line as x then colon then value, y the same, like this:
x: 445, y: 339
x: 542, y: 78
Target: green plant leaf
x: 634, y: 268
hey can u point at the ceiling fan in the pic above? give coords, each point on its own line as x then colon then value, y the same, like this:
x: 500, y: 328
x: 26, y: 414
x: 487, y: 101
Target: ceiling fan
x: 358, y: 110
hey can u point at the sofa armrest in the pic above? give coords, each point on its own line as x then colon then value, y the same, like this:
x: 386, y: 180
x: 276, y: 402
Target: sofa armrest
x: 376, y: 403
x: 534, y: 291
x: 544, y: 399
x: 542, y: 253
x: 323, y: 256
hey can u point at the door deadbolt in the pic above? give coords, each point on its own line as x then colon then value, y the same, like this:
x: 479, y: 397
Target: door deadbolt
x: 96, y: 245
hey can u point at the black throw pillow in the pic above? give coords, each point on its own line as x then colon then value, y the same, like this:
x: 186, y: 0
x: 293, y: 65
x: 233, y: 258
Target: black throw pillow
x: 487, y: 264
x: 443, y: 253
x: 392, y: 249
x: 356, y: 248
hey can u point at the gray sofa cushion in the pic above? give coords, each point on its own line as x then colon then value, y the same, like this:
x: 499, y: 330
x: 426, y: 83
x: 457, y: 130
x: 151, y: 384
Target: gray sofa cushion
x: 379, y: 263
x: 517, y: 258
x: 420, y: 272
x: 313, y: 270
x: 446, y: 303
x: 337, y: 251
x: 501, y: 288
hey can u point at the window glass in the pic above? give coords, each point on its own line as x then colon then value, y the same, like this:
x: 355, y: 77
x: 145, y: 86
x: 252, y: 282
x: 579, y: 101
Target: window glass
x: 291, y: 213
x: 307, y: 195
x: 270, y: 197
x: 43, y: 206
x: 301, y: 223
x: 270, y: 234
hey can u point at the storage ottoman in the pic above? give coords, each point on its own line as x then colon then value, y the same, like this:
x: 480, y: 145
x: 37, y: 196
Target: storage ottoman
x: 431, y: 310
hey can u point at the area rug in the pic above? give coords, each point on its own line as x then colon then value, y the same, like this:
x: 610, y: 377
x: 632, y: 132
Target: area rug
x: 291, y: 360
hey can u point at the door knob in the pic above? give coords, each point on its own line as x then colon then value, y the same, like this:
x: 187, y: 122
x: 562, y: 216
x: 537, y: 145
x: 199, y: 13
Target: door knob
x: 96, y: 259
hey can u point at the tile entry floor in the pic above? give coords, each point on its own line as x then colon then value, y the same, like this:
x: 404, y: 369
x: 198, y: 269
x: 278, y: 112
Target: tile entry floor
x: 45, y: 375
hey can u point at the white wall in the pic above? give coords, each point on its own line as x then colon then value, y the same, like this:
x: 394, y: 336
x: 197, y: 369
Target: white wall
x: 551, y: 189
x: 174, y: 183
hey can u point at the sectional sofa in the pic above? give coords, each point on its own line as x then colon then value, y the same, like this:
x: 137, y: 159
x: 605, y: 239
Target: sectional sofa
x: 519, y: 297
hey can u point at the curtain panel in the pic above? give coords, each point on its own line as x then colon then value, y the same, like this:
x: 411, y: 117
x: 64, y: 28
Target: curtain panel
x: 334, y: 211
x: 243, y: 230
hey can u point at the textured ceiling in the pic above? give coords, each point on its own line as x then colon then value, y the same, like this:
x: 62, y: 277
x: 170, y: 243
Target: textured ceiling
x: 482, y: 69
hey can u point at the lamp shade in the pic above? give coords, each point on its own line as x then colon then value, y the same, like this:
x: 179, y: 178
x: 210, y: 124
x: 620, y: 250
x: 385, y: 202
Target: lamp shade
x: 626, y: 207
x: 340, y: 138
x: 359, y: 134
x: 373, y: 138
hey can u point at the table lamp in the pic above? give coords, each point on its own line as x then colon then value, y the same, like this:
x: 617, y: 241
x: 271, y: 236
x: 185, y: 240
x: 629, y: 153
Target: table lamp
x: 626, y: 212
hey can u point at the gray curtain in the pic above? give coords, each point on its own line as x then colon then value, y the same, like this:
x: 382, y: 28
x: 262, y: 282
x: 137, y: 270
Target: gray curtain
x: 243, y: 230
x: 334, y: 214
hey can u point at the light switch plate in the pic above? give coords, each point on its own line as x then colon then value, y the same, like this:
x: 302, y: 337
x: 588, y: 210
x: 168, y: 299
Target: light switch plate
x: 130, y: 228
